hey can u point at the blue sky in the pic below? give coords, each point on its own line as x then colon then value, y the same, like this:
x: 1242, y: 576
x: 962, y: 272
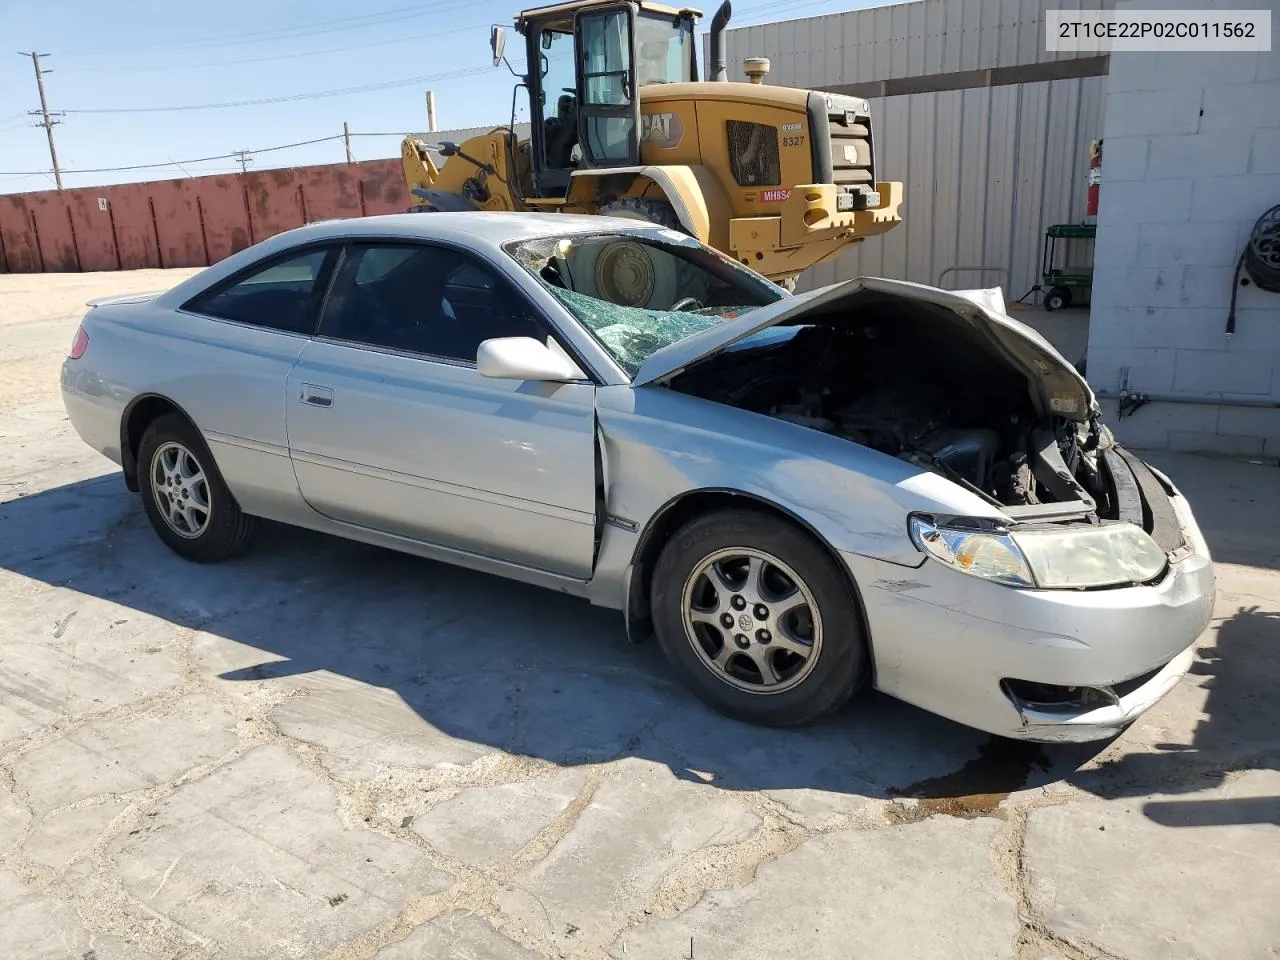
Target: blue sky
x: 113, y: 54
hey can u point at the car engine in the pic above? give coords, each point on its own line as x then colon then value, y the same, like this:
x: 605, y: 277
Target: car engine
x: 930, y: 397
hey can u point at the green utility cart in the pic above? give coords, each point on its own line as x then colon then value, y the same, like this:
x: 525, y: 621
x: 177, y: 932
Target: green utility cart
x: 1059, y: 282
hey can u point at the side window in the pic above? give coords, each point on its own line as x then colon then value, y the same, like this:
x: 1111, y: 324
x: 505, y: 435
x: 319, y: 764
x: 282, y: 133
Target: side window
x: 432, y: 300
x: 285, y: 295
x: 377, y: 262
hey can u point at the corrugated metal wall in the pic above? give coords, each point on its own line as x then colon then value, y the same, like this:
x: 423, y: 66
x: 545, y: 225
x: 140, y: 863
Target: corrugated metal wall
x: 185, y: 223
x: 195, y: 221
x: 902, y: 40
x: 984, y: 172
x: 985, y: 169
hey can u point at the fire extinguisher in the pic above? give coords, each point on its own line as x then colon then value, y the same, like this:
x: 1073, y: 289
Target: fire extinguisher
x: 1095, y: 178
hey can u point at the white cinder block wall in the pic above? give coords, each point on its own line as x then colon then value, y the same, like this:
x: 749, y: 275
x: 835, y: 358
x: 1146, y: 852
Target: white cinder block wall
x: 1191, y: 158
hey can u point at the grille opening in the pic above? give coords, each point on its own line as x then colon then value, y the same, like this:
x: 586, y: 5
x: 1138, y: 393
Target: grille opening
x: 1055, y: 698
x: 753, y: 154
x: 852, y: 156
x: 1126, y: 687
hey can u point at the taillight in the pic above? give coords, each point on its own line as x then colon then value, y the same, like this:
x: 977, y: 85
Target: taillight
x: 79, y: 345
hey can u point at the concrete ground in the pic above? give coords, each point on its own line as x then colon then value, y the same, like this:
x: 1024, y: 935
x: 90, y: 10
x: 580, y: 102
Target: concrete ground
x: 326, y: 750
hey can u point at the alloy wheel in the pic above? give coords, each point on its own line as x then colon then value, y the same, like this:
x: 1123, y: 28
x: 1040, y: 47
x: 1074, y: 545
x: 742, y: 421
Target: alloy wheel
x: 181, y: 490
x: 751, y: 620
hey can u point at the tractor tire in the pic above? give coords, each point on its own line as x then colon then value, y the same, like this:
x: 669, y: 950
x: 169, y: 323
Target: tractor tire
x: 641, y: 208
x: 660, y: 213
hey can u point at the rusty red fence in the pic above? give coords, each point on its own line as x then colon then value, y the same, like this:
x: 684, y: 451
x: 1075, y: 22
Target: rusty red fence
x: 185, y: 223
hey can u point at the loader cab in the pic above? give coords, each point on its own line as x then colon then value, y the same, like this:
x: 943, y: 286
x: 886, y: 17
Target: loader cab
x: 586, y: 63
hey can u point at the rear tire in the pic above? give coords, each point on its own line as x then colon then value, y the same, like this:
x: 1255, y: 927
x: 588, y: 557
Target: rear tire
x: 737, y: 593
x: 184, y: 495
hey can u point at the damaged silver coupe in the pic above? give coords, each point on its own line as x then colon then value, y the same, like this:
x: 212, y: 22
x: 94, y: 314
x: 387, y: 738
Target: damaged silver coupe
x: 878, y: 483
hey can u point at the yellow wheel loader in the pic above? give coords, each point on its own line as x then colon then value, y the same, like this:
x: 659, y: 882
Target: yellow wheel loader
x: 776, y: 177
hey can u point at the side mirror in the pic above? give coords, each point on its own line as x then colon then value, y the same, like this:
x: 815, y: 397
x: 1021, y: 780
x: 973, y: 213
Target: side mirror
x: 497, y: 43
x: 524, y: 358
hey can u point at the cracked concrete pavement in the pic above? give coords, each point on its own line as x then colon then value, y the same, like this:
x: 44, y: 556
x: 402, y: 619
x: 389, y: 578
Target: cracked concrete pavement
x: 326, y: 750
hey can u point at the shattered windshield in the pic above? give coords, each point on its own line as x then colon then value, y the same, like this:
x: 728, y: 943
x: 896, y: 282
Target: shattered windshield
x: 637, y: 294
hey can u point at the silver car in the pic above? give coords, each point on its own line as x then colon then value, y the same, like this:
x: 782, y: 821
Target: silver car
x: 876, y: 483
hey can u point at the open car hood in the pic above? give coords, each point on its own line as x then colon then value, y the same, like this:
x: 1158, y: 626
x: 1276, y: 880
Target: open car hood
x: 1063, y: 391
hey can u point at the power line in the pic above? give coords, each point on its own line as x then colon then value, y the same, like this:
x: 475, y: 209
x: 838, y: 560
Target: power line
x: 292, y: 98
x: 276, y: 34
x: 234, y: 155
x: 282, y: 56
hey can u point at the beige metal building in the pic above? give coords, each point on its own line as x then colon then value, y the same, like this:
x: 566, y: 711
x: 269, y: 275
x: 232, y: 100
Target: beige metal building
x: 989, y: 132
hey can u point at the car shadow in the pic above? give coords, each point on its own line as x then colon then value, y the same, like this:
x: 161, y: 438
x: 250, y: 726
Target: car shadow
x: 483, y: 662
x: 1236, y: 733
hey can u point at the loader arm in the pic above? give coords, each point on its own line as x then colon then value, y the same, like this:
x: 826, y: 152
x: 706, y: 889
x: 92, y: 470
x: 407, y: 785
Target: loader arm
x: 420, y: 171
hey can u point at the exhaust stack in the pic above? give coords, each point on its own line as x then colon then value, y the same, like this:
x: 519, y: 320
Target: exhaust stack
x: 719, y: 71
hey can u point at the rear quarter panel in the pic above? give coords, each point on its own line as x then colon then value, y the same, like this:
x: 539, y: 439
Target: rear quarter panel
x: 229, y: 379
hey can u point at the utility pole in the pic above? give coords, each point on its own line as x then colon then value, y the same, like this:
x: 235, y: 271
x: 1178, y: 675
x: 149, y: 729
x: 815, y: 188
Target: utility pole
x: 431, y: 111
x: 243, y: 158
x: 346, y: 140
x: 46, y: 120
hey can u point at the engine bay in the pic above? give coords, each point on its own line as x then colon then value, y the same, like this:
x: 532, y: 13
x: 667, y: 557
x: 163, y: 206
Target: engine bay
x: 924, y: 388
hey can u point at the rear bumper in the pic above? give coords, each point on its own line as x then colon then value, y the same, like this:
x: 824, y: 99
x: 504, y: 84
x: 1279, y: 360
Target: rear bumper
x: 949, y: 643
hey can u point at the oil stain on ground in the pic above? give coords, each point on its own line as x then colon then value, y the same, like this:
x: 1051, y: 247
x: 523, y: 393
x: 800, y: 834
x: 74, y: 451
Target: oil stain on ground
x: 978, y: 788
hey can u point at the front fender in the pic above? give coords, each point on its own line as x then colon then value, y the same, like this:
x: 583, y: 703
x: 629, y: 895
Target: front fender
x: 693, y: 192
x: 661, y: 444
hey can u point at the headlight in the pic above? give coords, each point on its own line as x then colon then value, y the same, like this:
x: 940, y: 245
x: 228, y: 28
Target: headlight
x: 1092, y: 557
x: 992, y: 556
x: 1051, y: 559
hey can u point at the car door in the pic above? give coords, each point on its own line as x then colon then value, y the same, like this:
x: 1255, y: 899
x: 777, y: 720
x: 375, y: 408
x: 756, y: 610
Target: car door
x: 230, y: 377
x: 392, y: 428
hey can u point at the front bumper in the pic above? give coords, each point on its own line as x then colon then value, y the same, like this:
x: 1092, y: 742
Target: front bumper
x: 947, y: 642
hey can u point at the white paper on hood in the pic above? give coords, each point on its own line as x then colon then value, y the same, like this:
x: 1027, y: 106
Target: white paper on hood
x: 991, y: 298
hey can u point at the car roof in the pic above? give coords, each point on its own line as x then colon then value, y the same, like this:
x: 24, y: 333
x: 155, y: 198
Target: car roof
x: 485, y: 227
x: 482, y: 231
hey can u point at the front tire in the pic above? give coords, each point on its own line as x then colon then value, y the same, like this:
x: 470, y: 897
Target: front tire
x: 184, y: 495
x: 756, y: 618
x: 642, y: 208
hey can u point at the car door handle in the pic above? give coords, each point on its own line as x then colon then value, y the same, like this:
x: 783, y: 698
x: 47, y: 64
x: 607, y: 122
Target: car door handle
x: 317, y: 396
